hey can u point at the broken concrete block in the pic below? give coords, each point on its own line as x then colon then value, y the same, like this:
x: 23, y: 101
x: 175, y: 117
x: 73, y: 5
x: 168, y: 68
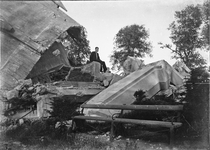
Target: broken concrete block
x: 12, y: 94
x: 108, y: 76
x: 115, y: 78
x: 21, y: 83
x: 106, y: 83
x: 24, y: 82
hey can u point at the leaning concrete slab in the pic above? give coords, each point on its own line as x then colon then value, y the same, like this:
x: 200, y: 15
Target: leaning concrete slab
x: 152, y: 78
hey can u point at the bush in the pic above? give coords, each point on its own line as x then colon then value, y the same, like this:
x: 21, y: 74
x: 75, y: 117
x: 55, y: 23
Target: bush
x: 195, y: 114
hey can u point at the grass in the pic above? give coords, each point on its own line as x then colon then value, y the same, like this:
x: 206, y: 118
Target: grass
x: 135, y: 138
x: 84, y: 141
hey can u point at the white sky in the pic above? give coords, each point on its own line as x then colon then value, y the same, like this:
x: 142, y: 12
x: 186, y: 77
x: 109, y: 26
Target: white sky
x: 103, y: 20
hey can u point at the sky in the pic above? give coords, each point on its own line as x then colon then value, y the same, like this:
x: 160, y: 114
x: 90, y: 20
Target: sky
x: 103, y: 20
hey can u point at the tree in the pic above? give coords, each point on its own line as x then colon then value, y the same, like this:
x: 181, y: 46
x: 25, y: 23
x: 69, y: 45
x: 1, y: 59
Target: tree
x: 130, y: 41
x: 78, y: 52
x: 78, y: 49
x: 185, y: 35
x: 205, y: 9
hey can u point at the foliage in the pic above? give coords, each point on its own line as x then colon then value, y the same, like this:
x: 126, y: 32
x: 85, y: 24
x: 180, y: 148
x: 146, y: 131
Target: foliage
x: 54, y: 127
x: 196, y: 109
x: 84, y: 140
x: 205, y: 8
x: 64, y: 108
x: 29, y: 130
x: 185, y: 35
x: 199, y: 75
x: 140, y: 96
x: 130, y: 41
x: 78, y: 53
x: 78, y: 48
x: 141, y: 99
x: 158, y: 99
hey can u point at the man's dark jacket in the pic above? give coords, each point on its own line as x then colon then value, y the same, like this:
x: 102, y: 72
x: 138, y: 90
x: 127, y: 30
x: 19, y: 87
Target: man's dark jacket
x: 94, y: 57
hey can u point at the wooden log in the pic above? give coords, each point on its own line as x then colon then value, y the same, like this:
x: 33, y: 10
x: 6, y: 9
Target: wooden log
x: 111, y: 136
x: 133, y: 121
x: 178, y: 116
x: 76, y: 84
x: 135, y: 107
x: 172, y: 135
x: 78, y: 91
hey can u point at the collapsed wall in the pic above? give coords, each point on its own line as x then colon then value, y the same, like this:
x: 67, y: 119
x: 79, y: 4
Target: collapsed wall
x: 29, y: 30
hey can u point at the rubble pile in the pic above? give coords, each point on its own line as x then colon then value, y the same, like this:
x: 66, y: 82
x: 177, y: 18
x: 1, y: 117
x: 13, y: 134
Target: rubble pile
x: 77, y: 75
x: 91, y: 73
x: 23, y: 97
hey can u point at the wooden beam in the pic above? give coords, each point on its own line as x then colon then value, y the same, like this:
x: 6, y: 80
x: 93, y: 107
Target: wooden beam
x: 135, y: 107
x: 79, y: 92
x: 133, y: 121
x: 172, y: 136
x: 79, y: 84
x: 111, y: 136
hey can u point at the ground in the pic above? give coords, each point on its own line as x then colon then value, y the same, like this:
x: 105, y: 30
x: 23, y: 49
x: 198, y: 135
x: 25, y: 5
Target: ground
x: 95, y: 140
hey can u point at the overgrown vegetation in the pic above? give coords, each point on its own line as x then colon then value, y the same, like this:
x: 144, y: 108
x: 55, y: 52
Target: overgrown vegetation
x: 78, y: 48
x: 45, y: 130
x: 196, y: 109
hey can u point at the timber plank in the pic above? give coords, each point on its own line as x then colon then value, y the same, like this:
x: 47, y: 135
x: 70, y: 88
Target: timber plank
x: 135, y: 107
x: 91, y: 85
x: 134, y: 121
x: 66, y: 91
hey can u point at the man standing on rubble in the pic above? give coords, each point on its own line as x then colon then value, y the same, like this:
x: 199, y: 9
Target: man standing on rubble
x: 95, y: 57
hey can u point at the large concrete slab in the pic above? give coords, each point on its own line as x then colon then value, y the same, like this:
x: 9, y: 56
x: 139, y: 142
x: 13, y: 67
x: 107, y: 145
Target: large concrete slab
x: 152, y: 79
x: 28, y: 31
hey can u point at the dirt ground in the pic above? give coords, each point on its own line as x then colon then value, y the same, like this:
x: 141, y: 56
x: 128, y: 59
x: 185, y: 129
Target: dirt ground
x: 133, y: 140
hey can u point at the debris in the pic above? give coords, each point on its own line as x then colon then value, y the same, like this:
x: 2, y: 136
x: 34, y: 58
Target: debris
x: 115, y: 78
x: 119, y: 137
x: 41, y: 90
x: 20, y: 121
x: 12, y: 94
x: 105, y: 83
x: 24, y: 82
x: 132, y: 64
x: 56, y: 52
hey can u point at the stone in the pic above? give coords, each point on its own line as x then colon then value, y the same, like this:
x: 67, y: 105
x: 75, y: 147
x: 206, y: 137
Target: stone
x: 115, y: 78
x: 12, y: 94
